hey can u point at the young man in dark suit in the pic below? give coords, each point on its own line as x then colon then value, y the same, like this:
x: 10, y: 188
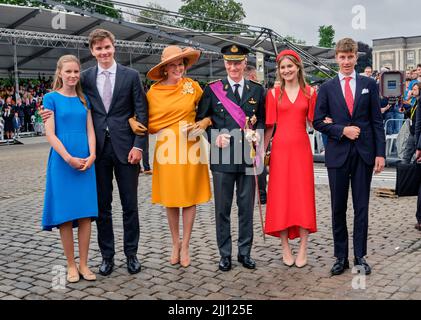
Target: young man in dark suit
x: 116, y: 94
x: 348, y: 112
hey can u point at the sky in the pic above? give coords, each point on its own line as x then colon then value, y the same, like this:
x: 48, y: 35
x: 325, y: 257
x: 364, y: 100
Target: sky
x: 302, y: 18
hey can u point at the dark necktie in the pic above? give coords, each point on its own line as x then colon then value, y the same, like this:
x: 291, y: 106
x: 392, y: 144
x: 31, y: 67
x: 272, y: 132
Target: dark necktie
x: 236, y: 93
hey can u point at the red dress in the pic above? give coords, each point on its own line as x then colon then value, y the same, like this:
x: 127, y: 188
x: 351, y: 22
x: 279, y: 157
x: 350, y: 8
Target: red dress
x: 290, y: 202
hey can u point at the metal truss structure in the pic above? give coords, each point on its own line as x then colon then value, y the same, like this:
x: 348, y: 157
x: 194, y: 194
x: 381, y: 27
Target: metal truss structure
x: 64, y: 41
x: 258, y: 34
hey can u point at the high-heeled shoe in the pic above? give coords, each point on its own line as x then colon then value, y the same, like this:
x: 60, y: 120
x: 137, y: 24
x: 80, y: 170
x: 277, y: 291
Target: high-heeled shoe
x: 301, y: 265
x: 303, y: 262
x: 175, y: 256
x: 72, y: 278
x: 184, y: 259
x: 88, y: 276
x: 288, y: 263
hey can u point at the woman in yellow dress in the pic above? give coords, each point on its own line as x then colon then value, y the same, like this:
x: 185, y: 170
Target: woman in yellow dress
x: 180, y: 178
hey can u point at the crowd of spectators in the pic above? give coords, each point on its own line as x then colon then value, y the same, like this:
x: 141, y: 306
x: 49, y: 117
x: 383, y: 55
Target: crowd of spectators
x: 20, y: 113
x: 400, y: 113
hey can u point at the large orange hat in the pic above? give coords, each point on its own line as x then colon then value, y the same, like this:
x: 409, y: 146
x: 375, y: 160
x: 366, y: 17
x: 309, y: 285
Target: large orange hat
x: 170, y: 54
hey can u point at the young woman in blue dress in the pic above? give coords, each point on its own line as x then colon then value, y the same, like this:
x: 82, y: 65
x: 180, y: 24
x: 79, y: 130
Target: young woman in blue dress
x: 70, y: 196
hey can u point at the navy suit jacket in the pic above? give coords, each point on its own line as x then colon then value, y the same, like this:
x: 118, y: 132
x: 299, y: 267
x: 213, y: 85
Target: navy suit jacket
x: 128, y: 99
x: 366, y: 115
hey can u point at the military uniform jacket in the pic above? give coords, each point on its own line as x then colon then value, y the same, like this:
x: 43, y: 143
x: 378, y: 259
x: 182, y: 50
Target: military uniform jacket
x: 235, y: 157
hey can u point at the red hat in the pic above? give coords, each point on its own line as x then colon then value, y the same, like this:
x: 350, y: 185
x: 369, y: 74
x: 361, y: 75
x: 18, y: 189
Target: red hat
x: 288, y: 53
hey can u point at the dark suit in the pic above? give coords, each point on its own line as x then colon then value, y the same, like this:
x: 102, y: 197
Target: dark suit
x: 349, y: 160
x: 112, y: 152
x: 229, y: 164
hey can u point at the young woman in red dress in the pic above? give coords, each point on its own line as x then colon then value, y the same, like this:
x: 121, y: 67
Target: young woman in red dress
x: 291, y: 209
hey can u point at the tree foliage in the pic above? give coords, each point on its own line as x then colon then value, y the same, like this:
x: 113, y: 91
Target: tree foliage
x: 155, y: 15
x: 365, y: 59
x: 229, y: 10
x: 109, y: 10
x: 295, y: 40
x: 26, y: 3
x: 326, y: 36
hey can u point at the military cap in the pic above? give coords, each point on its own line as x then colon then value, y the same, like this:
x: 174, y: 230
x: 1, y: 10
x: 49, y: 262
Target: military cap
x: 234, y: 52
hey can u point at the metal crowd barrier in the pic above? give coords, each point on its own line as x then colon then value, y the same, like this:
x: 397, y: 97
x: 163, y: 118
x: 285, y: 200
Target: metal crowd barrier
x: 317, y: 146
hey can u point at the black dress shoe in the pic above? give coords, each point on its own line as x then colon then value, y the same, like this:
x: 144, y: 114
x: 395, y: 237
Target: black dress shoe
x: 339, y: 266
x: 133, y: 265
x: 362, y: 264
x: 418, y: 226
x: 247, y: 262
x: 225, y: 264
x: 106, y: 267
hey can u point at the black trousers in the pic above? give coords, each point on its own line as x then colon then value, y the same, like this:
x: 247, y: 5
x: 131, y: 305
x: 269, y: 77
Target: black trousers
x: 127, y: 180
x: 418, y: 214
x: 223, y: 184
x: 360, y: 175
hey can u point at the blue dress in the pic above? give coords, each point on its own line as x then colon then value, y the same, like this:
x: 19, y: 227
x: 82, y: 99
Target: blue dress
x: 70, y: 194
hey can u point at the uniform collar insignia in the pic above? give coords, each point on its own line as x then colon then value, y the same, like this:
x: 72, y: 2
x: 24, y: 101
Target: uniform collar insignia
x: 252, y: 101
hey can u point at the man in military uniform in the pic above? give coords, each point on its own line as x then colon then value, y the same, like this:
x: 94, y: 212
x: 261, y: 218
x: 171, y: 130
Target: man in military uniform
x: 230, y: 103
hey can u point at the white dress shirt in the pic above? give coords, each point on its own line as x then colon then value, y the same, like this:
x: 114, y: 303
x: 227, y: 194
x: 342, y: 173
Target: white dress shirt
x: 240, y: 88
x: 352, y: 82
x: 100, y: 78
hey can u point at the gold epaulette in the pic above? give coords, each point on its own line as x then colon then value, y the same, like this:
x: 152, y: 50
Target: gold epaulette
x: 213, y: 81
x: 256, y: 82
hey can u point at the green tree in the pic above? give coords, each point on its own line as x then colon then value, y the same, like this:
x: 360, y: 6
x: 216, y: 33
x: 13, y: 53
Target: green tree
x: 228, y: 10
x: 294, y: 40
x: 27, y: 3
x: 108, y: 10
x: 326, y: 36
x: 365, y: 59
x: 157, y: 13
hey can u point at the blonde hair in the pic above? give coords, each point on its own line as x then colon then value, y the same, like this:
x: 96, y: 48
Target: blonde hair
x: 58, y: 81
x: 301, y: 75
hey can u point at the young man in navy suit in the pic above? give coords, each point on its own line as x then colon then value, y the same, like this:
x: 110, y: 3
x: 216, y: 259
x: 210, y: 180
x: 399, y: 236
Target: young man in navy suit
x: 348, y: 112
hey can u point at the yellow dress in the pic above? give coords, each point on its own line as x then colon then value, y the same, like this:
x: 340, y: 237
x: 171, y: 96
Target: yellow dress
x: 180, y: 175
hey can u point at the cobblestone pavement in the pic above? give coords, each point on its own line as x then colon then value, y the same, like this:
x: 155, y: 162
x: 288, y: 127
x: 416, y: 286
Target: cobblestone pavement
x: 31, y: 258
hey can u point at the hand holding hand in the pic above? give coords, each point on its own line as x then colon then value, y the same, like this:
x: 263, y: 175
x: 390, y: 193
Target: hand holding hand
x: 89, y: 162
x: 76, y: 163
